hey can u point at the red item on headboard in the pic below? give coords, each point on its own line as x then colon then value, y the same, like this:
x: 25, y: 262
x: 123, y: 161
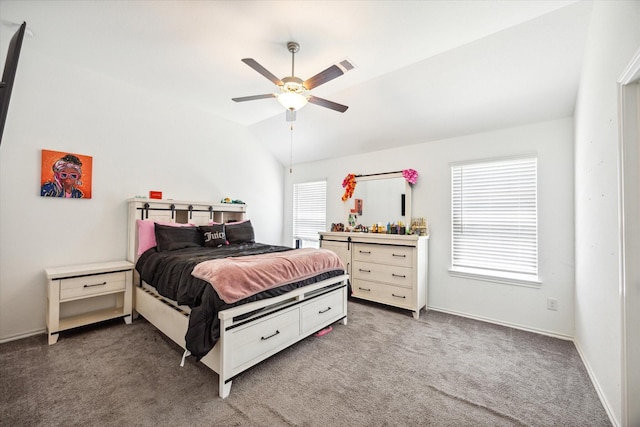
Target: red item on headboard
x: 155, y: 194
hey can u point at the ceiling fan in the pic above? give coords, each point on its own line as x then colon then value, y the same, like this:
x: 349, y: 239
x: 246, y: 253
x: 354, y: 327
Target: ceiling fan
x: 294, y: 92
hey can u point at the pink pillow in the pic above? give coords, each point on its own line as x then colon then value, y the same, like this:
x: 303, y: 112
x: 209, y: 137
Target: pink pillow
x: 147, y: 233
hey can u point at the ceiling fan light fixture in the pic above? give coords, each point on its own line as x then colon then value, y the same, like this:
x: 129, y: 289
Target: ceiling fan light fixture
x: 292, y: 101
x: 295, y: 91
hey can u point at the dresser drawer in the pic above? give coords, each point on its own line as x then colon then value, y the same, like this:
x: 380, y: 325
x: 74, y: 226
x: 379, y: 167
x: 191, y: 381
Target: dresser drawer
x: 397, y: 296
x: 255, y: 342
x: 386, y: 294
x: 399, y: 276
x: 321, y: 311
x: 384, y: 254
x: 365, y: 290
x: 83, y: 286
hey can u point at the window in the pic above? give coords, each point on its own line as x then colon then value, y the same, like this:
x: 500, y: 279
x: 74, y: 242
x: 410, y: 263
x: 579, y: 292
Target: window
x: 309, y: 212
x: 494, y: 220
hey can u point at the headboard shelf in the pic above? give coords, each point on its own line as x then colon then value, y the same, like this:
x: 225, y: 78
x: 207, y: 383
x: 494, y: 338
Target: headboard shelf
x: 178, y: 211
x: 165, y: 204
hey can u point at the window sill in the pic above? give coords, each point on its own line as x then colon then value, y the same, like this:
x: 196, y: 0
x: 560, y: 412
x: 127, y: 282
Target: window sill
x: 505, y: 278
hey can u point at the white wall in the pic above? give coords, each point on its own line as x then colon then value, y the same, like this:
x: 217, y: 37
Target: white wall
x: 139, y: 141
x: 512, y: 305
x: 614, y: 36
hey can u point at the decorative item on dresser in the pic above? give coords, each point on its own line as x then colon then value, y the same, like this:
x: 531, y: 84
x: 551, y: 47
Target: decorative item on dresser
x: 78, y: 284
x: 386, y: 268
x: 244, y: 332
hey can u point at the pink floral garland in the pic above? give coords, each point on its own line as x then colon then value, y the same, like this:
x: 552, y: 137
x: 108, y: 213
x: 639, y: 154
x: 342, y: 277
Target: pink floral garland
x: 410, y: 175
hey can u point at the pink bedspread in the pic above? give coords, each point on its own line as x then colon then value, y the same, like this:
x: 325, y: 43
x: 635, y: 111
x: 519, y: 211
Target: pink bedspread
x: 236, y: 278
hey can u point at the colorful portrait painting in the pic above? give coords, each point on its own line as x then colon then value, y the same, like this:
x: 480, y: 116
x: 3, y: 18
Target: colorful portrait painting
x: 65, y: 175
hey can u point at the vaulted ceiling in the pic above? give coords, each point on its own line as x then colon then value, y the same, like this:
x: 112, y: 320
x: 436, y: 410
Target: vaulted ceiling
x: 424, y: 70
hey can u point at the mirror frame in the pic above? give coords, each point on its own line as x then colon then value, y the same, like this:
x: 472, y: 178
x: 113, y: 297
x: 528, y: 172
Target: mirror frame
x: 391, y: 175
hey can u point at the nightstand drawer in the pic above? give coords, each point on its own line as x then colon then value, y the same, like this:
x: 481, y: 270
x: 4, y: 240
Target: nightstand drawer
x: 97, y: 284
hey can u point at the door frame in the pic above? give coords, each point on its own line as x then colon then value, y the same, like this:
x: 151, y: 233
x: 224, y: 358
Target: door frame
x: 629, y: 225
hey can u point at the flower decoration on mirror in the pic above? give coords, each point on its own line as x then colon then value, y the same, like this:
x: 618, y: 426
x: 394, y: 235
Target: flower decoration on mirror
x: 410, y: 175
x: 349, y: 185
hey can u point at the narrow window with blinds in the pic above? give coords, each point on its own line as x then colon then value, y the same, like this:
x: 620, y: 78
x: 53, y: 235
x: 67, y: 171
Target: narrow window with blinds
x: 309, y: 212
x: 494, y: 220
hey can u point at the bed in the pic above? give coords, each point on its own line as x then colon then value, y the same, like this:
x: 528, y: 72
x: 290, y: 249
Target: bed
x: 224, y: 326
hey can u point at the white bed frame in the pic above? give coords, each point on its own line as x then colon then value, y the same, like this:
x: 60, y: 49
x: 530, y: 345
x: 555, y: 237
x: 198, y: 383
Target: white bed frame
x: 275, y: 323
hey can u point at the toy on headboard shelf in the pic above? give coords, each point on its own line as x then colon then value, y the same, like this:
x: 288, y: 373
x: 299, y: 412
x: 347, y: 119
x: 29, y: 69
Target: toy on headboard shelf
x: 235, y: 202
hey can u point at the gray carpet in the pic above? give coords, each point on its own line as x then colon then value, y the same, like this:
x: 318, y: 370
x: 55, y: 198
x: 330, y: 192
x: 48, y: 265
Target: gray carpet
x: 382, y: 369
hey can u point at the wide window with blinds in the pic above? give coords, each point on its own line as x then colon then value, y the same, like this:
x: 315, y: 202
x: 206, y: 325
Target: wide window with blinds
x: 494, y: 219
x: 309, y: 212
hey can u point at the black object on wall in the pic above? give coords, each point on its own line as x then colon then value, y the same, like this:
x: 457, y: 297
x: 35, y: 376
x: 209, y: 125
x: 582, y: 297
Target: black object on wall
x: 9, y: 74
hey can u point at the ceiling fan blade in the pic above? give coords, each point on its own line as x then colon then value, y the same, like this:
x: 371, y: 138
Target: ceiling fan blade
x: 254, y: 97
x: 323, y: 77
x: 291, y: 115
x: 327, y: 104
x: 259, y: 68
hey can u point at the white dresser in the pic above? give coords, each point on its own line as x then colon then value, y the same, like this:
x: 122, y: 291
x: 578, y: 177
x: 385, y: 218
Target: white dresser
x: 387, y: 268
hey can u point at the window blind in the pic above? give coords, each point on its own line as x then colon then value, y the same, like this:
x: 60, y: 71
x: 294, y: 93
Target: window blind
x: 309, y: 210
x: 494, y: 217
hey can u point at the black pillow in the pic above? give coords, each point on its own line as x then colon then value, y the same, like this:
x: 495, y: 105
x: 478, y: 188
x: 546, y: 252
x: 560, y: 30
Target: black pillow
x: 239, y: 232
x: 171, y: 238
x: 213, y: 235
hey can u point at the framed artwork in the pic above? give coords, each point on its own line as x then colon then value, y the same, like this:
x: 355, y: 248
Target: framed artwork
x: 357, y: 207
x: 65, y: 175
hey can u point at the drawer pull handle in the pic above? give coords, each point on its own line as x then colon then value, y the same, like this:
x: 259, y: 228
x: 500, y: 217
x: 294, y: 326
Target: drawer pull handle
x: 398, y: 275
x: 95, y: 284
x: 365, y: 252
x: 324, y: 311
x: 398, y: 296
x: 364, y: 271
x: 270, y: 336
x: 400, y: 255
x: 364, y: 289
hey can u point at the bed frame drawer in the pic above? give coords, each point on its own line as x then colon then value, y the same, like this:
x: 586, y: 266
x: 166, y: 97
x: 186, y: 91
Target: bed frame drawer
x: 317, y: 313
x: 83, y: 286
x: 264, y: 337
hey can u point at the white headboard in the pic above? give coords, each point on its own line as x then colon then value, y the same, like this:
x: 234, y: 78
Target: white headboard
x: 179, y: 211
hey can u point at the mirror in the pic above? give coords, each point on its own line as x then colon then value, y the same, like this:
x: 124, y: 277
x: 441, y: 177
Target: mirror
x: 381, y: 198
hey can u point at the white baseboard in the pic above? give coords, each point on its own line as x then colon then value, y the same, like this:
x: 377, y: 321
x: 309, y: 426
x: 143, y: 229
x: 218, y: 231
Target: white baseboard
x: 23, y: 335
x: 502, y: 323
x: 596, y: 385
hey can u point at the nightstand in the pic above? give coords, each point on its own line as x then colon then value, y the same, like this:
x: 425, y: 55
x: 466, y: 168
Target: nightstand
x: 74, y: 283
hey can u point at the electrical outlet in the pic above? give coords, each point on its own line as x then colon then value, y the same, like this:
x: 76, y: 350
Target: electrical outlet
x: 552, y: 304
